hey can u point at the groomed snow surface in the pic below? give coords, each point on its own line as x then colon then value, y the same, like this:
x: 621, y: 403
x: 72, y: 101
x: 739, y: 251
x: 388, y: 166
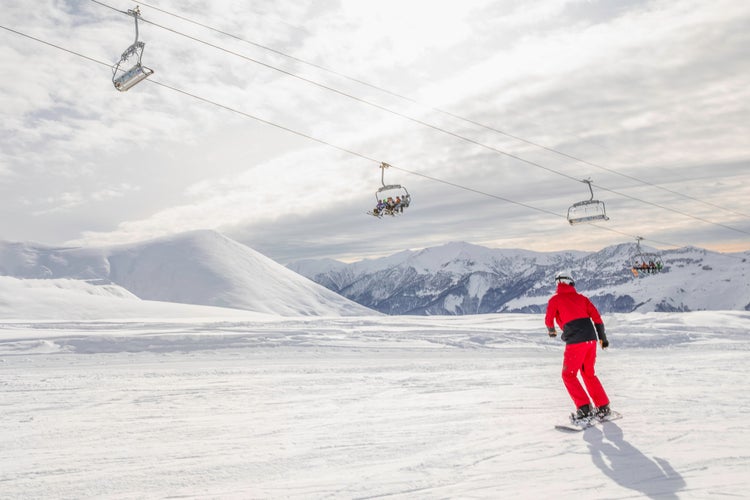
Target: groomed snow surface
x: 259, y: 406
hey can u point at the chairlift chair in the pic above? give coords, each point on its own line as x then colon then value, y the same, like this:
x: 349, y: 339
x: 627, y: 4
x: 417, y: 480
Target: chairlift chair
x: 643, y: 263
x: 137, y: 71
x: 590, y: 210
x: 390, y: 191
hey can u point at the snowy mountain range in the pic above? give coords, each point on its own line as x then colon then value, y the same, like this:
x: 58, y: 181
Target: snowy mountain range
x: 199, y: 267
x: 206, y: 268
x: 461, y: 278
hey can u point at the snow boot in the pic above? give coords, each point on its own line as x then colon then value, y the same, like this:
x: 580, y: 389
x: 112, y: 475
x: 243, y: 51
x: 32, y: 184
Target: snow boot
x: 603, y: 412
x: 582, y: 415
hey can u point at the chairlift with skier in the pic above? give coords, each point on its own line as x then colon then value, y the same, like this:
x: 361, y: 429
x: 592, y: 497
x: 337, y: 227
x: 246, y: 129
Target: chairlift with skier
x: 131, y: 58
x: 590, y: 210
x: 644, y: 263
x: 390, y: 199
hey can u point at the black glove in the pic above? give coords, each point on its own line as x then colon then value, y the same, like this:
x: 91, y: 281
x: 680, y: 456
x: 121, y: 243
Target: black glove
x: 551, y: 331
x: 602, y: 336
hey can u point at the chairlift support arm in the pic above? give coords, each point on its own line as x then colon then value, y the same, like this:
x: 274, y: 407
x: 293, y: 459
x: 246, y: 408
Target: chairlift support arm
x: 591, y: 190
x: 383, y: 166
x: 136, y: 13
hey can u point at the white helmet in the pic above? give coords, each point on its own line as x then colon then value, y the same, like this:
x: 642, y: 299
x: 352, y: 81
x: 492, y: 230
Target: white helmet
x: 564, y: 277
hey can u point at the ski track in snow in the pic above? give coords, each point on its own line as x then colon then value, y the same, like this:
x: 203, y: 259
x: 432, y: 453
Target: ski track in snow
x: 400, y: 407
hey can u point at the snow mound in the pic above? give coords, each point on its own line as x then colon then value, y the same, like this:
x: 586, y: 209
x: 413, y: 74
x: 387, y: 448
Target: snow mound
x: 78, y: 300
x: 198, y: 267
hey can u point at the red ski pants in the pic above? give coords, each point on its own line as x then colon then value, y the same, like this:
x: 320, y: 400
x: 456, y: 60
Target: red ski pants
x: 582, y: 357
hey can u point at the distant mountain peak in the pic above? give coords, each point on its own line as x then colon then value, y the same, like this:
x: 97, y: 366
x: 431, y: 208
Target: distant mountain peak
x: 463, y: 278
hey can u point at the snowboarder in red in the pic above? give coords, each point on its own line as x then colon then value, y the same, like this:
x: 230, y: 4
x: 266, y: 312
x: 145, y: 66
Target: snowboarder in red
x: 581, y: 324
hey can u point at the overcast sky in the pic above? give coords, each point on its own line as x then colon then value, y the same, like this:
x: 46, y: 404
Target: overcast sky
x: 653, y: 96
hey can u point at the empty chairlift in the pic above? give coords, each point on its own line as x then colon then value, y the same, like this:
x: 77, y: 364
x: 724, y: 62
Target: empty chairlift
x: 131, y: 59
x: 590, y: 210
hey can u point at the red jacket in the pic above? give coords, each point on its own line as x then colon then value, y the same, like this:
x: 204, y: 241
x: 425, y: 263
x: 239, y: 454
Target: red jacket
x: 574, y: 314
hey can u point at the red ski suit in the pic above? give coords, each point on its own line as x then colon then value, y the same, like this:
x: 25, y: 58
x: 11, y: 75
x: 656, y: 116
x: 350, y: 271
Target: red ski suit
x: 580, y: 322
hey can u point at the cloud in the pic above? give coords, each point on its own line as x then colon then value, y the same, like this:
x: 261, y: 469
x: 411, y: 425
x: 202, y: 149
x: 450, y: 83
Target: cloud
x: 654, y: 90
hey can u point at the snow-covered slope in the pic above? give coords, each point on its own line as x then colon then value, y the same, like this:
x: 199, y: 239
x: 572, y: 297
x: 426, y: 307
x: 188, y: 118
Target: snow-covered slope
x: 199, y: 267
x: 79, y: 300
x: 459, y: 278
x: 161, y: 400
x: 382, y: 407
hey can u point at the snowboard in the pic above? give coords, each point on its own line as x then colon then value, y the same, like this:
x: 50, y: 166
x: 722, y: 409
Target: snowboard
x: 572, y: 427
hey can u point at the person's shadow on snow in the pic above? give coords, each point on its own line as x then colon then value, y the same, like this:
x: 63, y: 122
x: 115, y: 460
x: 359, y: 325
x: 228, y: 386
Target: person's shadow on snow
x: 630, y: 468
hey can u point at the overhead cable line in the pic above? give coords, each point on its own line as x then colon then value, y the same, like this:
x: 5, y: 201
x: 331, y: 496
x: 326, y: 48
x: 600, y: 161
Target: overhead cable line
x: 287, y: 129
x: 320, y: 141
x: 416, y: 120
x: 438, y: 110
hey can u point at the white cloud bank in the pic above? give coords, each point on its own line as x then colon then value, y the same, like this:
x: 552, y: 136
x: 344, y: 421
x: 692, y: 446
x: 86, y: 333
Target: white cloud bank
x: 656, y: 90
